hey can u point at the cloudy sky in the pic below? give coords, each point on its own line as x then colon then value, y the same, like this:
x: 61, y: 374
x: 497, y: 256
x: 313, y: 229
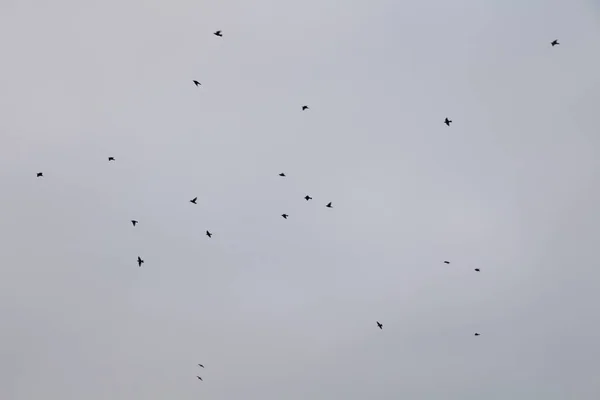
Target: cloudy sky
x: 286, y: 309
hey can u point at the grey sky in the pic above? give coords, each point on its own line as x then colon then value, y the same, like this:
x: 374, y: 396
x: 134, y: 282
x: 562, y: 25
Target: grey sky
x: 286, y: 309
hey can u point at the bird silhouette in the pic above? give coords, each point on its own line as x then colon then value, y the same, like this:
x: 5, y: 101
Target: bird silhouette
x: 284, y: 216
x: 477, y: 334
x: 329, y: 205
x: 200, y: 365
x: 282, y: 174
x: 194, y: 200
x: 208, y: 234
x: 218, y: 33
x: 198, y: 377
x: 197, y: 83
x: 447, y: 121
x: 477, y: 269
x: 554, y: 43
x: 380, y: 325
x: 446, y: 262
x: 133, y: 221
x: 304, y: 108
x: 39, y: 175
x: 140, y: 261
x: 307, y: 198
x: 111, y: 159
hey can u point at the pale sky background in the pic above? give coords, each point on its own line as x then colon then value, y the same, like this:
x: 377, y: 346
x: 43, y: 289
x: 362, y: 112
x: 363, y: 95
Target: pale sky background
x: 280, y: 309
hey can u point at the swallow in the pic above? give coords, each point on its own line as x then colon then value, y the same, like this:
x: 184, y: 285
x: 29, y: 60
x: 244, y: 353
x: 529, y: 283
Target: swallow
x: 304, y: 108
x: 133, y: 221
x: 380, y: 325
x: 282, y: 174
x: 208, y: 234
x: 198, y: 377
x: 218, y: 33
x: 39, y: 175
x: 194, y: 200
x: 477, y: 334
x: 197, y: 83
x: 447, y: 121
x: 111, y: 159
x: 329, y: 205
x: 554, y: 43
x: 477, y: 269
x: 284, y: 216
x: 140, y: 261
x: 446, y: 262
x: 200, y: 365
x: 307, y: 198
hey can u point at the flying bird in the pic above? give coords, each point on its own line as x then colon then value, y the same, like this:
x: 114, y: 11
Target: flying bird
x: 194, y: 200
x: 200, y: 365
x: 140, y: 261
x: 197, y: 83
x: 133, y: 221
x: 218, y: 33
x: 284, y: 216
x: 477, y: 334
x: 282, y: 174
x: 304, y: 108
x: 208, y: 234
x: 380, y: 325
x: 477, y: 269
x: 39, y: 175
x: 554, y: 43
x: 447, y: 121
x: 329, y: 205
x: 111, y: 159
x: 307, y: 198
x: 446, y: 262
x: 198, y: 377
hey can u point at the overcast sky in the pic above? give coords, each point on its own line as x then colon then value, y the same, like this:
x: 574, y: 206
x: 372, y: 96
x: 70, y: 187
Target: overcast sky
x: 286, y: 309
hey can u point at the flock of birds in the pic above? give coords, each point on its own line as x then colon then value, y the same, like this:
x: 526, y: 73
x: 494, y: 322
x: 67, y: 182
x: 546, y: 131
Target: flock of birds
x: 140, y: 261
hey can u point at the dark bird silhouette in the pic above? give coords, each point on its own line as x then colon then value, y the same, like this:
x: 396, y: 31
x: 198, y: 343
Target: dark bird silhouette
x: 198, y: 377
x: 140, y: 261
x: 446, y: 262
x: 447, y: 121
x: 194, y: 200
x: 208, y: 234
x: 307, y: 198
x: 554, y: 43
x: 133, y: 221
x: 477, y: 269
x: 284, y: 216
x: 200, y: 365
x: 39, y: 175
x: 197, y: 83
x: 304, y: 108
x: 111, y: 159
x: 477, y: 334
x: 380, y: 325
x: 329, y: 205
x: 282, y: 174
x: 218, y: 33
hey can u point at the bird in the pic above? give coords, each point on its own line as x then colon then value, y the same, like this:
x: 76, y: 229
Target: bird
x: 208, y: 234
x: 477, y: 334
x: 304, y: 108
x: 284, y: 216
x: 197, y: 83
x: 329, y: 205
x: 307, y: 198
x: 111, y: 159
x: 380, y: 325
x: 39, y: 175
x: 282, y: 174
x: 554, y: 43
x: 194, y: 200
x: 133, y: 221
x: 477, y: 269
x: 218, y: 33
x: 446, y: 262
x: 140, y: 261
x: 447, y: 121
x: 198, y: 377
x: 200, y: 365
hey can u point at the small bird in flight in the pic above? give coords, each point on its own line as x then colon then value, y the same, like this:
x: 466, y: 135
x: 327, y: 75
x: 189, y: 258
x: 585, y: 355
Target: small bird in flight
x: 200, y: 365
x: 218, y: 33
x: 304, y: 108
x: 284, y: 216
x: 133, y: 221
x: 198, y: 377
x: 446, y: 262
x: 197, y: 83
x: 307, y: 198
x: 39, y: 175
x: 208, y: 234
x: 140, y: 261
x: 554, y: 43
x: 477, y: 334
x: 111, y: 159
x: 194, y: 200
x: 329, y: 205
x: 282, y: 174
x: 447, y: 121
x: 477, y: 269
x: 380, y: 325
